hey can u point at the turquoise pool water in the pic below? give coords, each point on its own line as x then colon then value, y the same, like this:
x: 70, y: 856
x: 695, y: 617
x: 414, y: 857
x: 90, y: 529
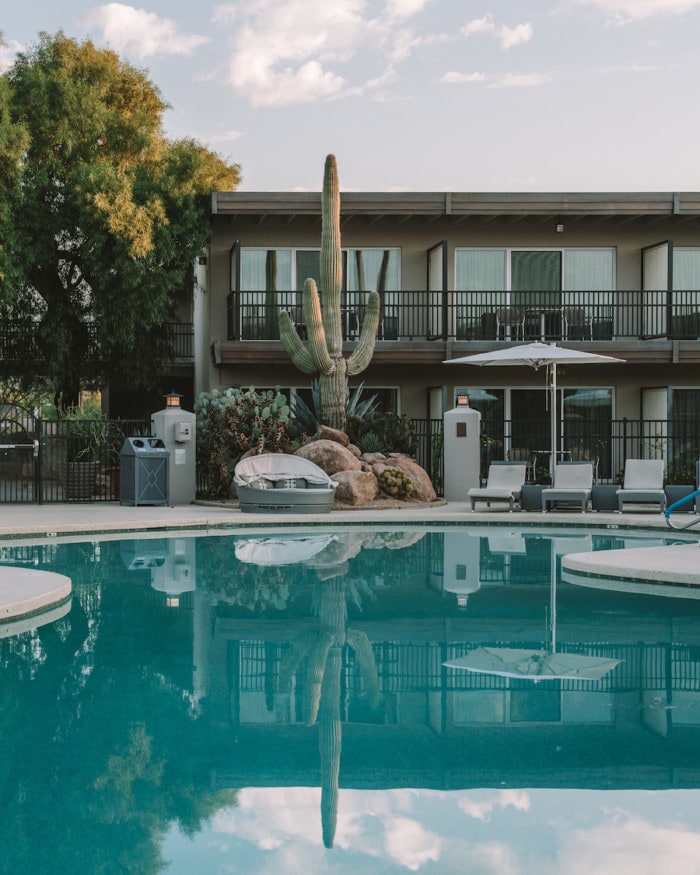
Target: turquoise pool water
x: 278, y: 702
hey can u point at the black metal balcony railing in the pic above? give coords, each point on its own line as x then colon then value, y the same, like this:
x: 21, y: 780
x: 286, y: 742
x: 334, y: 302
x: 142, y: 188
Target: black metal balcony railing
x: 19, y: 341
x: 487, y: 315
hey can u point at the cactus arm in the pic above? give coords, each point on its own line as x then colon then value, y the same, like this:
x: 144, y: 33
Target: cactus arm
x: 364, y: 351
x: 295, y: 348
x: 315, y: 329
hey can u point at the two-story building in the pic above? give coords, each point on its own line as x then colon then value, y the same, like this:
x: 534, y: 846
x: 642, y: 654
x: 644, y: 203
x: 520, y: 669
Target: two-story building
x: 461, y: 273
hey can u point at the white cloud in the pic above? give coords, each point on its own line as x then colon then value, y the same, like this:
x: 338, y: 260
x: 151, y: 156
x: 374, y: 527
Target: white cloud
x: 631, y: 845
x: 405, y: 8
x: 522, y: 80
x: 482, y: 809
x: 507, y: 36
x: 515, y: 36
x: 623, y: 10
x: 453, y: 77
x: 8, y: 54
x: 140, y: 33
x: 410, y: 844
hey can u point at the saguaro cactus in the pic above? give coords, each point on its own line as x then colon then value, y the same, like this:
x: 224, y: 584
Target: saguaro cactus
x: 323, y: 352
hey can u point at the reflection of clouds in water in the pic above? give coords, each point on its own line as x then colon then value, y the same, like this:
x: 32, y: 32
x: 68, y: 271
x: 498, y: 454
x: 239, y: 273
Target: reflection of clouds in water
x: 481, y: 810
x: 629, y: 845
x: 393, y: 831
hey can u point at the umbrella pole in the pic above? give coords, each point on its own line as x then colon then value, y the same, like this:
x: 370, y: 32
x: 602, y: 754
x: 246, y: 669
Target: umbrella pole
x: 554, y: 424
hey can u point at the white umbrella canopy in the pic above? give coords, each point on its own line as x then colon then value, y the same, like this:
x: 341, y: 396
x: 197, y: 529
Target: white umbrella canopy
x: 537, y: 355
x: 536, y: 665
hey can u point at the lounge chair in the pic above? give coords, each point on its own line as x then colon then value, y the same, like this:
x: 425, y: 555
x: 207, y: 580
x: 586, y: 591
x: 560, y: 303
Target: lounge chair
x: 504, y: 482
x: 573, y: 481
x: 281, y: 483
x: 643, y: 483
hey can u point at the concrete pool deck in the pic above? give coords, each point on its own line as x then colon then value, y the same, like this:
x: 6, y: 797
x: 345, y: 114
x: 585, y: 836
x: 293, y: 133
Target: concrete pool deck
x: 673, y: 564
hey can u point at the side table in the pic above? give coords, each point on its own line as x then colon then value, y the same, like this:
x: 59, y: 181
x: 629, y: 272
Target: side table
x: 604, y: 498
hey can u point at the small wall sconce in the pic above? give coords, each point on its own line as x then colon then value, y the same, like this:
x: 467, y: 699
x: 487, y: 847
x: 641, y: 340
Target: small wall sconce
x: 560, y: 229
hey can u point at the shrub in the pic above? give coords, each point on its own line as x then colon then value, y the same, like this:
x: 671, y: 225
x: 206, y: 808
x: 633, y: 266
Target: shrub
x: 235, y: 421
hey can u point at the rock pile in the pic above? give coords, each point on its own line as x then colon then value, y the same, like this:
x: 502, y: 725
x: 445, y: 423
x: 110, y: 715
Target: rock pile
x: 357, y: 473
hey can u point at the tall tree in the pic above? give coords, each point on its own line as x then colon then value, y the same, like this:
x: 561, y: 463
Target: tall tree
x: 113, y: 214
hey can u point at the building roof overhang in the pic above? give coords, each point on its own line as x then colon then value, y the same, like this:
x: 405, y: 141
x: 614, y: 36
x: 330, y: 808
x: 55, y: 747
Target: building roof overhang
x: 431, y: 206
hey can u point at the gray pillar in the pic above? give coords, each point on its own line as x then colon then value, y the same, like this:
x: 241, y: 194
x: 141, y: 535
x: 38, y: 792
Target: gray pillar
x: 462, y: 453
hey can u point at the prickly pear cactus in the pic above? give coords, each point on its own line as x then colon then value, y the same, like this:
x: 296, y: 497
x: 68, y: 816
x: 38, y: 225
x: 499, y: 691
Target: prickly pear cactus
x: 323, y: 353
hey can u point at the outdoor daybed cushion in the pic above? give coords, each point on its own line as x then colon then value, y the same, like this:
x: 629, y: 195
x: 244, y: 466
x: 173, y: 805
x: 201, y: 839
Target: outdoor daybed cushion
x: 281, y: 471
x: 504, y: 482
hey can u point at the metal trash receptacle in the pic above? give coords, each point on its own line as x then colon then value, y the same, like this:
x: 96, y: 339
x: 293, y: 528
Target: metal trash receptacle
x: 144, y: 471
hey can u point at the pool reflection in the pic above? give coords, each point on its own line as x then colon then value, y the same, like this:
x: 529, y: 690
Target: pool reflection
x: 190, y: 668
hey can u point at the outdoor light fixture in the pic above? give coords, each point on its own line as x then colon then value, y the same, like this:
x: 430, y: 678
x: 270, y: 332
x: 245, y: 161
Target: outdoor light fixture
x: 172, y: 399
x: 463, y: 400
x: 560, y: 229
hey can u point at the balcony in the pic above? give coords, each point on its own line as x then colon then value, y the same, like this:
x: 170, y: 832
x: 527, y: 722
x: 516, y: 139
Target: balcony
x: 428, y: 327
x: 488, y: 315
x: 19, y: 342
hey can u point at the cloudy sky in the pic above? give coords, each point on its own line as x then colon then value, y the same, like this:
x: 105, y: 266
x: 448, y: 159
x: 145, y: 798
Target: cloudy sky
x: 424, y: 95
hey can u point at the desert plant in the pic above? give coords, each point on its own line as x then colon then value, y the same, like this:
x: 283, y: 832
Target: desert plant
x: 323, y: 354
x: 234, y: 422
x: 309, y: 418
x: 395, y: 482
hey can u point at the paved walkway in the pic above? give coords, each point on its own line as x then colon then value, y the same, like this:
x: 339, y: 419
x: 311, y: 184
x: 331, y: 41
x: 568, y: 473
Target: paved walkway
x: 655, y: 563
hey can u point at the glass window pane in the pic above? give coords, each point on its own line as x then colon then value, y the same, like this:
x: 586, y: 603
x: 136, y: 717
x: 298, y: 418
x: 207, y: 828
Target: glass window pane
x: 589, y: 270
x: 686, y: 269
x: 480, y: 270
x: 308, y: 267
x: 535, y: 271
x: 373, y: 270
x: 266, y: 270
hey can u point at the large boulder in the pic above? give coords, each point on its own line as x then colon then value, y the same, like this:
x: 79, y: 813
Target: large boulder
x: 330, y: 456
x: 422, y: 487
x: 355, y: 487
x: 326, y: 433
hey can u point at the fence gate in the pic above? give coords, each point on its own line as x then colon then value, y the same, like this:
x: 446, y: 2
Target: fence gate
x: 19, y: 454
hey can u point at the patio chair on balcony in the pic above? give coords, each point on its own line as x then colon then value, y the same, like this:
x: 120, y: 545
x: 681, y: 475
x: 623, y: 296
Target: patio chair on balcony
x: 643, y: 483
x: 510, y: 323
x: 578, y: 325
x: 504, y: 482
x: 573, y: 481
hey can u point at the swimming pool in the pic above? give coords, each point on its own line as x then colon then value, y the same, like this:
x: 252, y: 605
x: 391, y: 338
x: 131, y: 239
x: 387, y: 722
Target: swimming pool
x: 279, y: 701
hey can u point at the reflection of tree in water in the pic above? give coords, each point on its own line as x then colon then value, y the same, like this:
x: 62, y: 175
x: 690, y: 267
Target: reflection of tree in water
x: 101, y: 750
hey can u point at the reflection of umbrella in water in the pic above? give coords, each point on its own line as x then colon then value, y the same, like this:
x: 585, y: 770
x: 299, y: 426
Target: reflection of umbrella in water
x: 538, y: 665
x: 538, y: 355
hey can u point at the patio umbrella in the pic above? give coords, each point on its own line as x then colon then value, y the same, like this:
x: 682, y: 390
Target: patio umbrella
x: 542, y: 664
x: 537, y: 355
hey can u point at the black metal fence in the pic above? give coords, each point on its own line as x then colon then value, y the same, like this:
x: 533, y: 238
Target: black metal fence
x: 608, y: 444
x: 486, y: 315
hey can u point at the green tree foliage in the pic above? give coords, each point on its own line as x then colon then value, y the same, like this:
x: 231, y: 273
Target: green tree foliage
x: 113, y: 214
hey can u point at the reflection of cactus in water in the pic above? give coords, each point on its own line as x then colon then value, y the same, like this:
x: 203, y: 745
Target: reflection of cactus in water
x: 324, y: 353
x: 324, y: 651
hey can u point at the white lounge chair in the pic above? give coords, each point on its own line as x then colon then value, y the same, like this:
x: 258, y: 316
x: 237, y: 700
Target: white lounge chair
x: 573, y: 481
x: 504, y: 482
x: 281, y: 483
x: 643, y: 483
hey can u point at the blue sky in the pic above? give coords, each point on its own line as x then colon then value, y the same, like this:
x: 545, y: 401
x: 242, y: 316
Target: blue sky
x: 415, y: 95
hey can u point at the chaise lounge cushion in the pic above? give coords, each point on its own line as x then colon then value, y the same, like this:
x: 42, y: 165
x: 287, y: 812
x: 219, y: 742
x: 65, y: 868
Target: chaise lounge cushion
x: 643, y: 483
x: 573, y: 481
x: 504, y: 482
